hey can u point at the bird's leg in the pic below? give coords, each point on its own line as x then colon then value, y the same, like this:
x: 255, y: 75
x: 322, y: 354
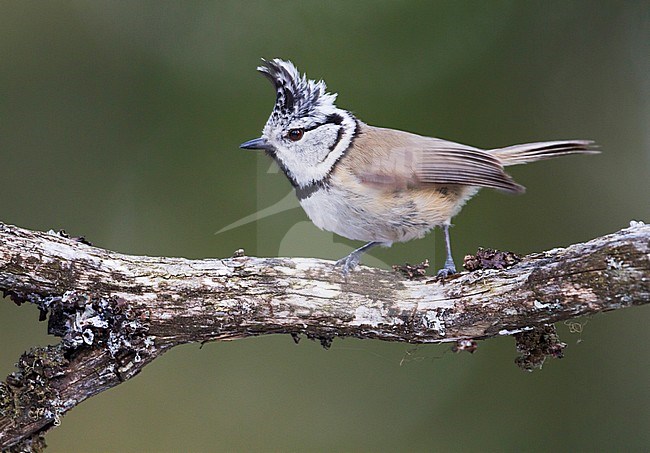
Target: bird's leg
x: 449, y: 268
x: 350, y: 262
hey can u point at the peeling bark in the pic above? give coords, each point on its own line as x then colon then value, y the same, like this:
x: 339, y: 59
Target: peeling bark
x: 116, y: 313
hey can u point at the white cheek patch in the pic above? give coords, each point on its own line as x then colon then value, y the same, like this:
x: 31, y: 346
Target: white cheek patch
x: 340, y: 144
x: 321, y: 141
x: 311, y: 159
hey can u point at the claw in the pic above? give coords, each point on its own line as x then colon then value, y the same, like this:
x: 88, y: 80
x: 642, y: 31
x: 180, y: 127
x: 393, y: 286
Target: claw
x: 447, y: 271
x: 348, y: 263
x: 352, y: 260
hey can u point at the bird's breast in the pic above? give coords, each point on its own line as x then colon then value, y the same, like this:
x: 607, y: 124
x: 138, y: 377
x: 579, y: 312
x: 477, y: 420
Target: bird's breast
x: 372, y: 215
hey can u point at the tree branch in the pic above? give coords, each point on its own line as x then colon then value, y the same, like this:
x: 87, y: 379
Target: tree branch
x: 116, y: 313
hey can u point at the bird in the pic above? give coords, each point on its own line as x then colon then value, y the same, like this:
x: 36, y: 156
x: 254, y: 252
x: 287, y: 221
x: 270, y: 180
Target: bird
x: 375, y: 184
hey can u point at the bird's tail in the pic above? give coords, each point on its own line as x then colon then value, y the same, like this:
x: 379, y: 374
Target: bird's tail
x: 531, y: 152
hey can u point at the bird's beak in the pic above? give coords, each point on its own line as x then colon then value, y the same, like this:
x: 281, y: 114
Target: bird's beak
x: 256, y: 143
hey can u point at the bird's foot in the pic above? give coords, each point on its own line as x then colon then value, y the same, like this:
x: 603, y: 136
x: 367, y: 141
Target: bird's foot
x: 348, y: 263
x: 447, y: 271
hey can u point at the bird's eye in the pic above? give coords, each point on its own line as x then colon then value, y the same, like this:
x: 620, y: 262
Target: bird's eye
x: 296, y: 134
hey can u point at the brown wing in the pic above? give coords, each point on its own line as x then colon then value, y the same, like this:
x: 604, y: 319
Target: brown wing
x: 399, y: 159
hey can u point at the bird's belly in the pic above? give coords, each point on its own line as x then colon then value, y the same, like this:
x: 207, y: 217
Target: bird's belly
x: 387, y: 217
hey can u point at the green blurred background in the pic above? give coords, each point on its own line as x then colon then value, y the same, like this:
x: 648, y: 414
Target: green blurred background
x: 121, y: 121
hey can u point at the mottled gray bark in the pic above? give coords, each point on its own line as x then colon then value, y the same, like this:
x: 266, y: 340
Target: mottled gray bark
x: 116, y: 313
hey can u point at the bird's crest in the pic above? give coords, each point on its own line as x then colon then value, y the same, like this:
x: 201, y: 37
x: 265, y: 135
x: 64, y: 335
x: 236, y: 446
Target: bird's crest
x: 297, y: 96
